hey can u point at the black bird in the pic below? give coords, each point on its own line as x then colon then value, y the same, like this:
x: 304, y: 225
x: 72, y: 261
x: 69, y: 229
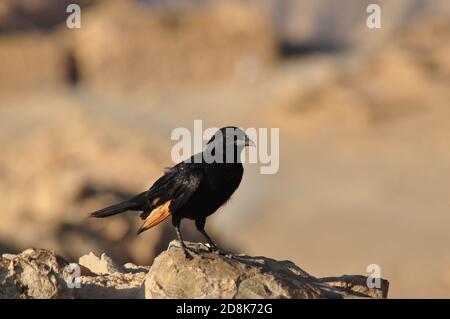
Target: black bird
x: 194, y: 188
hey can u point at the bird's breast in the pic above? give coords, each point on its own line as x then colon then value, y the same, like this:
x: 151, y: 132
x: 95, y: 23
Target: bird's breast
x: 217, y: 187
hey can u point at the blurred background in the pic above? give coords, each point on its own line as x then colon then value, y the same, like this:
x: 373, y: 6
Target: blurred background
x: 86, y: 116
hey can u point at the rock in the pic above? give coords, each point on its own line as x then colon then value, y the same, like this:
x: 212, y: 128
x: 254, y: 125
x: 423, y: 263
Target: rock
x: 34, y: 273
x: 40, y: 273
x: 209, y: 275
x: 102, y: 265
x: 118, y: 285
x: 109, y: 280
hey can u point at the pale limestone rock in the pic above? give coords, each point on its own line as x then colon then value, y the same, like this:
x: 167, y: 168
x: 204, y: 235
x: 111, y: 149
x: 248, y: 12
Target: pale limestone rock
x: 209, y: 275
x: 102, y: 265
x: 39, y: 273
x: 34, y: 273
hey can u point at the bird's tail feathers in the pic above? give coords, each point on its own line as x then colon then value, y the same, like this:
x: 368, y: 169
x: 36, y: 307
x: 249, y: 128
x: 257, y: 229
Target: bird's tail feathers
x: 135, y: 203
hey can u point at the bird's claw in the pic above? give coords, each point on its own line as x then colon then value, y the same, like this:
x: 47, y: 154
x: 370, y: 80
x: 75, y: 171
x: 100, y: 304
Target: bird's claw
x: 227, y: 255
x: 187, y: 255
x: 213, y: 249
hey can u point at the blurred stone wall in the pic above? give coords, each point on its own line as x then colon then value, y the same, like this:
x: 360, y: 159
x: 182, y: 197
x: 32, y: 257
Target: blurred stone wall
x: 31, y: 61
x: 132, y: 45
x: 126, y: 45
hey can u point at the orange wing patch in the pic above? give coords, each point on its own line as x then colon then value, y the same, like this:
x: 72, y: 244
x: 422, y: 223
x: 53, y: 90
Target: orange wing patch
x: 156, y: 216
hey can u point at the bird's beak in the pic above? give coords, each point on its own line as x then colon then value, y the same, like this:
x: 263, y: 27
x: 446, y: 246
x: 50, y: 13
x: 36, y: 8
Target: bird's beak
x: 249, y: 142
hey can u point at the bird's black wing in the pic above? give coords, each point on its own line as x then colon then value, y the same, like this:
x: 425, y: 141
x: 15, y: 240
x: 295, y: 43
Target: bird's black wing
x: 177, y: 184
x: 171, y: 191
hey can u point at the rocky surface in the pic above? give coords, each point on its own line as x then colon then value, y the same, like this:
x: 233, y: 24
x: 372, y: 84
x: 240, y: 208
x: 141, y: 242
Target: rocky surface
x: 368, y: 129
x: 32, y: 274
x: 39, y: 273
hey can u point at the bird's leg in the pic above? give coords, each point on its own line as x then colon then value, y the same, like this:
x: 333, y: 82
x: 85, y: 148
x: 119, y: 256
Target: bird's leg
x: 200, y: 224
x: 180, y: 238
x: 213, y: 247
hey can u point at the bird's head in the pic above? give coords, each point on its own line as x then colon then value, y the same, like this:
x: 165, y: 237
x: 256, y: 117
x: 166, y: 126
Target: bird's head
x: 231, y: 135
x: 228, y: 141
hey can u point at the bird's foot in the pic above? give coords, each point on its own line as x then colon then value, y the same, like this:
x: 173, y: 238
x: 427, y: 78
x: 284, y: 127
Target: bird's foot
x: 193, y: 250
x: 212, y: 248
x: 187, y: 250
x: 187, y: 255
x: 222, y: 253
x: 226, y: 254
